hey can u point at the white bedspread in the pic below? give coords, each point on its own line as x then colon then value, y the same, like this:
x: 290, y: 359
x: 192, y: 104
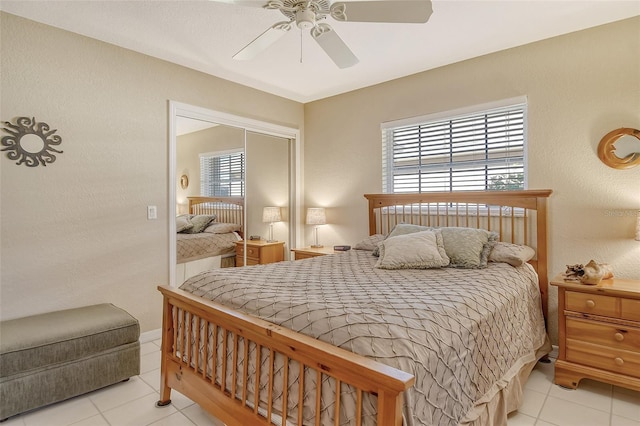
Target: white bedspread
x: 459, y: 331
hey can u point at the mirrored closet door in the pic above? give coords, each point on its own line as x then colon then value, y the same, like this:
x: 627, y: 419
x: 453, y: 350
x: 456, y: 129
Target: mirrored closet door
x: 239, y: 172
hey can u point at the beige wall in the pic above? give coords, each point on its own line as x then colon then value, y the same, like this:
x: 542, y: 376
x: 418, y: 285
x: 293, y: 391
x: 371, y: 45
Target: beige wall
x: 75, y: 232
x: 579, y: 87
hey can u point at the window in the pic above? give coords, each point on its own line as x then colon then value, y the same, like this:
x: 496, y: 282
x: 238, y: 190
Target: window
x: 463, y: 151
x: 222, y: 174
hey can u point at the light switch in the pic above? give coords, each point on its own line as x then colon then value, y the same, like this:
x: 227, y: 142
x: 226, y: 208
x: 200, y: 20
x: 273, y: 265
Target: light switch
x: 152, y: 212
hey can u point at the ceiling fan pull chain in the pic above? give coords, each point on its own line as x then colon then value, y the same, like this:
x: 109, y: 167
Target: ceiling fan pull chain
x: 300, y: 46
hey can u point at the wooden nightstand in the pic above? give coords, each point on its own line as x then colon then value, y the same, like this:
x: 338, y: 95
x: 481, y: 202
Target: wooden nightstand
x: 599, y: 332
x: 259, y: 252
x: 307, y: 252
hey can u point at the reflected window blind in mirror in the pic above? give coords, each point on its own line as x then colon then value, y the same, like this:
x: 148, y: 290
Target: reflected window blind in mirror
x: 222, y: 174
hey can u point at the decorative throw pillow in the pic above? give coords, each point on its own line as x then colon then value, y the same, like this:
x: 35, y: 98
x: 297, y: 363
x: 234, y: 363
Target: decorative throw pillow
x: 403, y: 229
x: 513, y: 254
x: 200, y: 222
x: 370, y: 243
x: 418, y: 250
x: 221, y: 228
x: 468, y: 247
x: 183, y: 223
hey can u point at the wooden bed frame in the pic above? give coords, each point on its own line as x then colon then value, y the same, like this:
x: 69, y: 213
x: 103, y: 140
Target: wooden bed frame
x: 227, y: 209
x: 518, y: 216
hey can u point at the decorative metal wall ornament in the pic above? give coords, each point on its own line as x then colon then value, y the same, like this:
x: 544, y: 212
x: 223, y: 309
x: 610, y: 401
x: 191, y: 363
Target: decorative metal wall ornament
x: 30, y: 142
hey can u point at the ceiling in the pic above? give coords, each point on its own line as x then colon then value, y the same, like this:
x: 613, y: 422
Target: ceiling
x: 204, y: 35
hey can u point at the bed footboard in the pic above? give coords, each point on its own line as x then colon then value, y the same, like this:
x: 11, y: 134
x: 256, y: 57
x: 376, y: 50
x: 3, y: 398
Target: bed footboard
x: 246, y: 371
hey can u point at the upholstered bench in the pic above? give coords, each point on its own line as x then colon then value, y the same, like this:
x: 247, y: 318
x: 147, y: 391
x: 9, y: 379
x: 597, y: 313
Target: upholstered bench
x: 58, y: 355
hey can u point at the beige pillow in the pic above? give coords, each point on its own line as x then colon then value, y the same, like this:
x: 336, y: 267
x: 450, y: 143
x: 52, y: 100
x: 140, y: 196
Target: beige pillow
x: 221, y: 228
x: 370, y: 243
x: 183, y: 223
x: 513, y: 254
x: 402, y: 229
x: 468, y: 247
x: 418, y: 250
x: 200, y: 222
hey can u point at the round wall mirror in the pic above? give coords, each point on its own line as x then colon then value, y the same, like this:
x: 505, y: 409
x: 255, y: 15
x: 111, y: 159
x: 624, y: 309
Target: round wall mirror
x: 620, y: 148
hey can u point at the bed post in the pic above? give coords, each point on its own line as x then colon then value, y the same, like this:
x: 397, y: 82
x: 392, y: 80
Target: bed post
x: 167, y: 345
x: 541, y: 240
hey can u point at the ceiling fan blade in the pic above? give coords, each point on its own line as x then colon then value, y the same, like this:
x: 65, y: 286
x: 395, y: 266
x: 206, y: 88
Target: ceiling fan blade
x: 263, y: 41
x: 395, y: 11
x: 333, y: 46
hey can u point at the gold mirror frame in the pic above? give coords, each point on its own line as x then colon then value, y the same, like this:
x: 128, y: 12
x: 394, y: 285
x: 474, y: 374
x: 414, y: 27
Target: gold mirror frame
x: 606, y: 149
x: 184, y: 181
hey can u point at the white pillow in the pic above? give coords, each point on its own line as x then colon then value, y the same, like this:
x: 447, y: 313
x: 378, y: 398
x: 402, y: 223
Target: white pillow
x: 419, y: 250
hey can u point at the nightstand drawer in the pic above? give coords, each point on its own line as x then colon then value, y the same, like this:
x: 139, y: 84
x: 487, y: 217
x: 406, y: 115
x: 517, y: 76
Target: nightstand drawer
x: 630, y: 309
x: 592, y: 304
x: 253, y: 253
x: 610, y: 335
x: 610, y: 359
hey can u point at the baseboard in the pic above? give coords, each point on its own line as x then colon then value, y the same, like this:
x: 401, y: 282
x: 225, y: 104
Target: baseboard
x: 553, y: 354
x: 150, y: 336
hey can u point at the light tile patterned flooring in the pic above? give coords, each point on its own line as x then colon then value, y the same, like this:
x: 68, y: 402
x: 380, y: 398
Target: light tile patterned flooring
x: 132, y: 403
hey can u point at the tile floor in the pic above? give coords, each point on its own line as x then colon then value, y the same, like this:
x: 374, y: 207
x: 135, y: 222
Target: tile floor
x: 132, y: 403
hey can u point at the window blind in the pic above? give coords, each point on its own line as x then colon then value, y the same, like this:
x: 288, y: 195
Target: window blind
x: 222, y: 174
x: 482, y: 150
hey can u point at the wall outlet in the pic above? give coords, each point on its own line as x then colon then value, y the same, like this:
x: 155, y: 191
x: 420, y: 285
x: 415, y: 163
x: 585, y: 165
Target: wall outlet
x: 152, y: 212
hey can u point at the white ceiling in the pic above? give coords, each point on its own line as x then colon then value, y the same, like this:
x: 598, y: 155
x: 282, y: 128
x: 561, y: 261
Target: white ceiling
x: 204, y: 35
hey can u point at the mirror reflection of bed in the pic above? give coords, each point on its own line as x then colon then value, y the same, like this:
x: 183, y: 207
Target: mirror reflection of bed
x: 222, y: 161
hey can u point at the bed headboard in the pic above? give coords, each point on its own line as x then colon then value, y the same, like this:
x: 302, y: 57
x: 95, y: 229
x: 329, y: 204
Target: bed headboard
x: 519, y: 217
x: 227, y: 209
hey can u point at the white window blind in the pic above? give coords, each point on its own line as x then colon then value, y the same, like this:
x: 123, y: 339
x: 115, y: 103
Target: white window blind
x: 222, y: 174
x: 481, y: 150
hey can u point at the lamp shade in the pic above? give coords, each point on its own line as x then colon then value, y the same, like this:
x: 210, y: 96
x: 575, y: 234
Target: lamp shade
x: 638, y: 226
x: 316, y: 216
x: 271, y: 214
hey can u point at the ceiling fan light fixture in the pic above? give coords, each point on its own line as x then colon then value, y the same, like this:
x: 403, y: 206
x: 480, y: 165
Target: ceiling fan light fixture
x: 305, y: 19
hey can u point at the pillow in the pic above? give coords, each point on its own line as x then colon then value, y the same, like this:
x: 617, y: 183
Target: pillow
x: 370, y: 243
x: 468, y: 247
x: 418, y: 250
x: 183, y: 223
x: 513, y: 254
x: 200, y: 222
x: 403, y: 229
x: 221, y: 228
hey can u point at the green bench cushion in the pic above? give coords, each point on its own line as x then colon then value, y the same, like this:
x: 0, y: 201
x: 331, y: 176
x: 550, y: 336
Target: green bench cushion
x: 57, y: 337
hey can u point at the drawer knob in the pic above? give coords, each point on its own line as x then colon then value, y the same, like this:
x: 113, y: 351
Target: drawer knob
x: 619, y: 337
x: 591, y: 304
x: 619, y: 362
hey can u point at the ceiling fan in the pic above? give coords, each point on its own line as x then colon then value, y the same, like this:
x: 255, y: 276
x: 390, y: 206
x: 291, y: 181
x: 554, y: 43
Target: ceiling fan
x: 310, y: 15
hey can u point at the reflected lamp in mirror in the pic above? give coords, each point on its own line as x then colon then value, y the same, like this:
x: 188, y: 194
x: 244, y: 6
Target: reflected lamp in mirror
x: 271, y: 215
x: 316, y: 216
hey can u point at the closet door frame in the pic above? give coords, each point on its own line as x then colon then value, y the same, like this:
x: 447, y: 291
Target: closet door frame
x: 178, y: 109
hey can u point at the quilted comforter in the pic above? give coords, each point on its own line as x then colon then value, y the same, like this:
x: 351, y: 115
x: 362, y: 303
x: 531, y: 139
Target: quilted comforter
x: 191, y: 247
x: 461, y: 332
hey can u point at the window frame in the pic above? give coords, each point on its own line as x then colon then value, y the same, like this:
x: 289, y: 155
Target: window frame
x: 451, y: 115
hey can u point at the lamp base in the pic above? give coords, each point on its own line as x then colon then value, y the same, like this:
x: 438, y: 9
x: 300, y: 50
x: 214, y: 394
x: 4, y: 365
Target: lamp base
x: 316, y: 246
